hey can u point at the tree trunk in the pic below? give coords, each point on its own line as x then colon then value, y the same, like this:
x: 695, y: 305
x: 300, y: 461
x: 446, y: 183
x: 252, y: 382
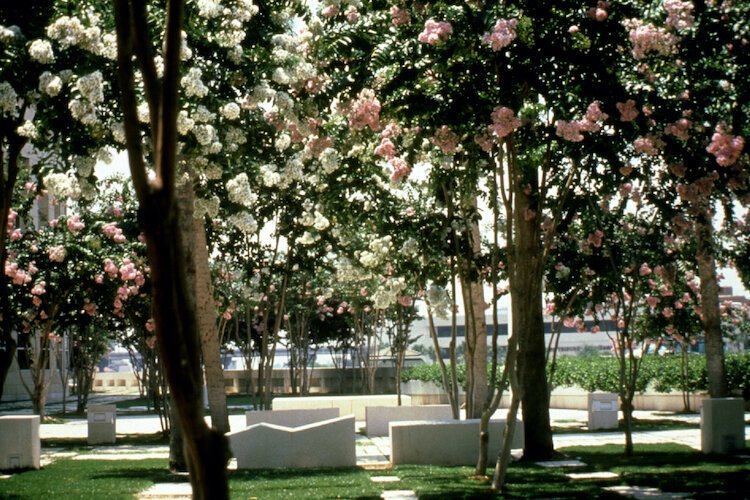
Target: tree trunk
x: 528, y: 324
x: 177, y: 461
x: 475, y: 330
x: 711, y: 316
x: 206, y: 311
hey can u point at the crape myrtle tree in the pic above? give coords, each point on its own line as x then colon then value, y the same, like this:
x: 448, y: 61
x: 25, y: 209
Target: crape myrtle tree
x: 618, y: 264
x: 37, y: 84
x: 514, y: 91
x: 690, y: 102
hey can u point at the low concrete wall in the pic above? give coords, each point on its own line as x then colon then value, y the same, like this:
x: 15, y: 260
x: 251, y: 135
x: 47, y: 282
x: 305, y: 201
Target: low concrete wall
x: 379, y: 417
x: 291, y: 418
x: 20, y: 447
x: 453, y: 442
x: 330, y: 443
x: 354, y: 405
x: 572, y: 399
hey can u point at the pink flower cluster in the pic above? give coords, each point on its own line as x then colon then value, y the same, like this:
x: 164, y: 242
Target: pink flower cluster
x: 725, y: 147
x: 599, y: 13
x: 399, y: 16
x: 386, y: 149
x: 435, y: 32
x: 627, y: 110
x: 329, y: 10
x: 445, y: 139
x: 57, y: 253
x: 364, y: 111
x: 504, y: 121
x: 679, y: 14
x: 648, y: 145
x: 111, y: 230
x: 75, y: 224
x: 648, y: 38
x: 679, y: 129
x: 400, y: 168
x: 503, y: 33
x: 591, y: 122
x: 19, y: 276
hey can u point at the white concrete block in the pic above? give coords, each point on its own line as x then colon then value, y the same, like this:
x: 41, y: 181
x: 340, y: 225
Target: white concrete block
x: 379, y: 417
x: 330, y: 443
x: 20, y: 447
x: 290, y: 418
x: 603, y: 408
x: 354, y: 405
x: 722, y: 425
x: 102, y: 424
x: 451, y: 442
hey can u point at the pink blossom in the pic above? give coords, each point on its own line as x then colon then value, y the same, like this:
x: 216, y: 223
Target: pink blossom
x: 75, y: 224
x: 119, y: 238
x: 329, y: 11
x: 32, y: 269
x: 569, y: 322
x: 595, y: 238
x: 36, y: 301
x: 599, y: 13
x: 621, y: 324
x: 653, y: 301
x: 550, y: 309
x: 128, y: 271
x: 400, y: 168
x: 386, y: 149
x: 725, y: 147
x: 667, y: 312
x: 364, y: 111
x: 573, y: 29
x: 592, y: 120
x: 99, y: 279
x: 352, y: 15
x: 435, y: 32
x: 16, y: 235
x: 405, y: 301
x: 89, y: 308
x: 399, y: 16
x: 150, y: 325
x: 644, y: 270
x: 484, y: 141
x: 110, y: 268
x: 39, y: 288
x: 648, y: 145
x: 57, y: 253
x: 570, y: 131
x: 53, y: 223
x: 445, y: 139
x: 627, y: 110
x: 680, y: 129
x: 677, y: 169
x: 117, y: 211
x: 504, y: 121
x: 409, y: 212
x: 595, y: 329
x: 680, y: 14
x: 648, y: 38
x: 503, y: 33
x: 12, y: 216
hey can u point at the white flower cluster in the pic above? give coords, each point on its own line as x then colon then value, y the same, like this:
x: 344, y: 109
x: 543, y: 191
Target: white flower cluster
x: 28, y: 130
x: 245, y: 222
x: 261, y: 93
x: 232, y: 20
x: 8, y: 100
x: 388, y: 293
x: 206, y: 135
x: 308, y: 238
x: 62, y: 186
x: 439, y: 301
x: 192, y: 83
x: 410, y: 247
x: 230, y: 111
x: 144, y: 115
x: 118, y: 132
x: 9, y: 33
x: 69, y: 31
x: 282, y: 143
x: 202, y: 207
x: 379, y: 249
x: 91, y: 88
x: 234, y: 138
x: 329, y: 160
x: 84, y: 165
x: 50, y: 84
x: 239, y: 191
x: 270, y: 175
x: 315, y: 219
x: 184, y: 123
x: 41, y: 52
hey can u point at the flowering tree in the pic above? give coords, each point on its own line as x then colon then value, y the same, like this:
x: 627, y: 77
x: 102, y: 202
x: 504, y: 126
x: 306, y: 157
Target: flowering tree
x: 690, y: 108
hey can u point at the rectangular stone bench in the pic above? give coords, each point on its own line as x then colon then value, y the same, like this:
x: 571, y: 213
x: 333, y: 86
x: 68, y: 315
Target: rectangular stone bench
x: 449, y: 442
x: 330, y: 443
x: 290, y: 418
x: 354, y: 405
x: 379, y: 417
x: 20, y: 447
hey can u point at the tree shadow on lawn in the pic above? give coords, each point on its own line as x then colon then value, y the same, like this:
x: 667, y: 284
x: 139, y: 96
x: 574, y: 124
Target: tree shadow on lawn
x: 318, y: 483
x: 671, y: 468
x: 639, y: 425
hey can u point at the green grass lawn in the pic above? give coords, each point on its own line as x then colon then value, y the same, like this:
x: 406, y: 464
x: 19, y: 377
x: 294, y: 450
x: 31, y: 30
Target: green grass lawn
x: 671, y: 468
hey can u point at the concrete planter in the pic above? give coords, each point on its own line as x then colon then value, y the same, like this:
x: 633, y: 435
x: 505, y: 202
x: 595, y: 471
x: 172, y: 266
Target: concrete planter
x: 722, y: 425
x: 427, y: 393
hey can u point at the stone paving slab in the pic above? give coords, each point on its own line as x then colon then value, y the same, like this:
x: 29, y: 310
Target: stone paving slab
x: 399, y: 494
x: 385, y: 479
x: 167, y: 491
x: 592, y: 475
x: 561, y: 463
x: 645, y: 493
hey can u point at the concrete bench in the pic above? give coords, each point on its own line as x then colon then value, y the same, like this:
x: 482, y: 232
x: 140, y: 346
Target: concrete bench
x: 20, y: 447
x: 451, y: 442
x: 354, y: 405
x: 290, y: 418
x: 102, y: 424
x: 330, y: 443
x: 379, y: 417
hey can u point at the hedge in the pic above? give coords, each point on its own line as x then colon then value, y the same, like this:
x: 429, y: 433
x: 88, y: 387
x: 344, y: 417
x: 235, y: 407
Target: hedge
x: 601, y: 373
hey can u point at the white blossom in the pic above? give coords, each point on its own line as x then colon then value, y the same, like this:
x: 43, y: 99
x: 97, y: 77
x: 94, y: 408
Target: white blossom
x: 91, y: 87
x: 143, y: 112
x: 321, y: 222
x: 205, y: 134
x: 283, y: 141
x: 8, y: 100
x: 192, y: 83
x: 84, y: 166
x: 50, y: 84
x: 41, y: 51
x: 118, y: 132
x: 239, y: 191
x: 307, y: 238
x: 184, y: 123
x: 439, y: 301
x: 329, y: 160
x: 7, y: 34
x: 62, y: 186
x: 270, y: 175
x: 203, y: 115
x: 280, y: 76
x: 230, y: 111
x: 28, y: 129
x: 245, y: 222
